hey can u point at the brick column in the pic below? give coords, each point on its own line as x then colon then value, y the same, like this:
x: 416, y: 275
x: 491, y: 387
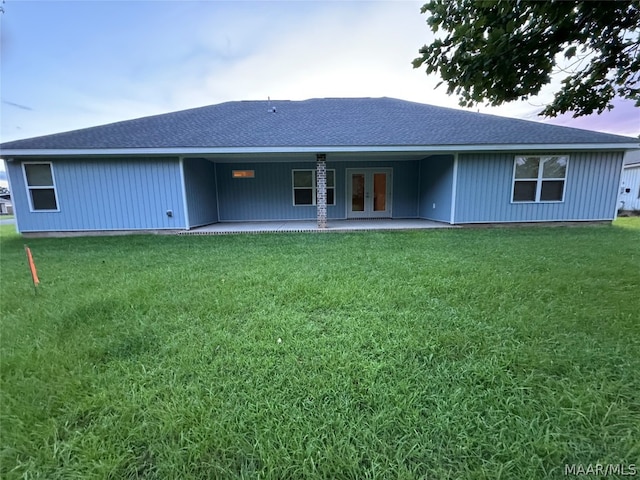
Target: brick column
x: 321, y: 185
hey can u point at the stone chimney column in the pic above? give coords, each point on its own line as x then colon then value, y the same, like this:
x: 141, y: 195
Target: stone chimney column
x: 321, y: 186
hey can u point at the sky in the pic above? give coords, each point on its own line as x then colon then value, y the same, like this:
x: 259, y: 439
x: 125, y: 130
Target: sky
x: 66, y: 65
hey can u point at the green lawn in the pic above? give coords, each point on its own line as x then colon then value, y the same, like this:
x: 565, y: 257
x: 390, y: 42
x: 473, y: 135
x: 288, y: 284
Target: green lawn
x: 442, y: 354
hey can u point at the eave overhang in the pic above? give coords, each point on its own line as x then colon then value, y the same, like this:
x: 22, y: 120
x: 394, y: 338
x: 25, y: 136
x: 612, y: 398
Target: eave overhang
x: 211, y: 151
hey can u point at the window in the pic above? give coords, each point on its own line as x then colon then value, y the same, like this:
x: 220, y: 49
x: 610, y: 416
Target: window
x: 305, y: 190
x: 243, y: 173
x: 40, y: 186
x: 539, y: 179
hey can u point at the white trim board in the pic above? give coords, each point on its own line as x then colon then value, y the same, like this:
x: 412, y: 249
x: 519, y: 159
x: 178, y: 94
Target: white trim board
x: 183, y: 184
x: 454, y: 189
x: 427, y: 149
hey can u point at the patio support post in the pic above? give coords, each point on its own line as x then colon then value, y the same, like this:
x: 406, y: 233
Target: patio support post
x: 321, y: 186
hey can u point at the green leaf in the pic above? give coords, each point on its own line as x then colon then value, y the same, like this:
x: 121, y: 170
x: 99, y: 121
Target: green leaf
x: 499, y: 51
x: 570, y: 52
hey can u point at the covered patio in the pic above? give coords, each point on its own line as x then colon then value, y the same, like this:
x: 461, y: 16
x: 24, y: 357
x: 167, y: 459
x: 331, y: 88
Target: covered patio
x: 384, y: 224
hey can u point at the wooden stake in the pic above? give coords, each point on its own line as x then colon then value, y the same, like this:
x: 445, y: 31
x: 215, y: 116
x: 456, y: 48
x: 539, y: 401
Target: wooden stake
x: 32, y: 267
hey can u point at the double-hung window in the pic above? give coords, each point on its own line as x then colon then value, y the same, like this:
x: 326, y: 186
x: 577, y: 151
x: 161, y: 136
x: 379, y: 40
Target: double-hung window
x: 539, y: 178
x: 41, y: 186
x: 305, y: 190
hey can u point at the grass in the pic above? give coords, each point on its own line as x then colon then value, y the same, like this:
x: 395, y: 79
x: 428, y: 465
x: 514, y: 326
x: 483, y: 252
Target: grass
x: 494, y: 353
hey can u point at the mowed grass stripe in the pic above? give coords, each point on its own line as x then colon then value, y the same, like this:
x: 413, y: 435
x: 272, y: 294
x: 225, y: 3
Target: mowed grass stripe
x: 497, y: 353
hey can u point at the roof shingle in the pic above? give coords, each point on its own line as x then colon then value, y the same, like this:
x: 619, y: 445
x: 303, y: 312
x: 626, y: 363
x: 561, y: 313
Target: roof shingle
x: 330, y: 122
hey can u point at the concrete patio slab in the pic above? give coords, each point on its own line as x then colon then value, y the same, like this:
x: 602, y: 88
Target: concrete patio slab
x: 227, y: 228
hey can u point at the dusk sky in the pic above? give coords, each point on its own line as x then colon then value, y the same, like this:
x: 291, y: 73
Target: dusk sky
x: 74, y: 64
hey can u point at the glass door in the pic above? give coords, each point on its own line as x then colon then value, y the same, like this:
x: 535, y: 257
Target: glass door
x: 369, y: 193
x: 379, y: 192
x: 357, y: 192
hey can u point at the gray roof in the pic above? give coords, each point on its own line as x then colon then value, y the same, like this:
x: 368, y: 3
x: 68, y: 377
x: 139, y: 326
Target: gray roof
x: 330, y: 122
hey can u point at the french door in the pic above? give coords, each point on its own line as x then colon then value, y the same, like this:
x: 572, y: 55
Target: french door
x: 369, y: 193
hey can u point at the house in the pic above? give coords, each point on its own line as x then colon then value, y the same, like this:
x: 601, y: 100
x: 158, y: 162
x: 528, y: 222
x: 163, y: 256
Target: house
x: 5, y: 206
x: 324, y: 159
x: 629, y: 196
x: 5, y: 199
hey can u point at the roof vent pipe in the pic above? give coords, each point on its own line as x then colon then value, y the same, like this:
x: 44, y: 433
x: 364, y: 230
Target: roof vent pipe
x: 270, y: 109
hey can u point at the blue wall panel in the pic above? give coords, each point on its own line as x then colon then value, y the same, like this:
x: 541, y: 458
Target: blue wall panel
x: 200, y: 187
x: 436, y: 183
x: 106, y: 194
x: 269, y: 195
x: 18, y: 193
x: 124, y: 194
x: 485, y: 183
x: 406, y: 186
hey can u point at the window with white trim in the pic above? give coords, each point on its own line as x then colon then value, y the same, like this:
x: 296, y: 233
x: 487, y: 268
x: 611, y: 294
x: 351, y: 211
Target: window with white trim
x: 305, y: 190
x: 539, y: 178
x: 41, y: 186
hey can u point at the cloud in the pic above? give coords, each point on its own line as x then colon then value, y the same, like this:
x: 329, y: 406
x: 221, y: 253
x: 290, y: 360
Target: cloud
x: 90, y: 63
x: 17, y: 105
x: 623, y: 119
x: 335, y: 52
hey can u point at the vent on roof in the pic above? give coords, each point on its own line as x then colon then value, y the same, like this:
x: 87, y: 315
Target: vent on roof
x: 270, y: 109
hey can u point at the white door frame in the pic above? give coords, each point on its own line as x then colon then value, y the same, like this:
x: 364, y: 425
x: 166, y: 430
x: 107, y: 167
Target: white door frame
x: 368, y: 211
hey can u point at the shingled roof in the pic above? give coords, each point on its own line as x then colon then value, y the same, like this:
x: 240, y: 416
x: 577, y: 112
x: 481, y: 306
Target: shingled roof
x: 330, y: 122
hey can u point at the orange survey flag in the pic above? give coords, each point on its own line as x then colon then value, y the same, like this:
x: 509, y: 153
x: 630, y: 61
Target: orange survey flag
x: 32, y: 266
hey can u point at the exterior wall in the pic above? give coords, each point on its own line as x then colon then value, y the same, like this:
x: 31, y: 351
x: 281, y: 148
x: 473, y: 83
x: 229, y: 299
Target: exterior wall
x: 5, y: 207
x: 130, y: 194
x: 485, y: 182
x: 269, y: 195
x: 200, y: 191
x: 406, y: 189
x: 104, y: 194
x: 436, y: 184
x: 630, y: 180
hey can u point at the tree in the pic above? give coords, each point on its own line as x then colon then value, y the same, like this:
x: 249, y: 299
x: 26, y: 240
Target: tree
x: 497, y: 51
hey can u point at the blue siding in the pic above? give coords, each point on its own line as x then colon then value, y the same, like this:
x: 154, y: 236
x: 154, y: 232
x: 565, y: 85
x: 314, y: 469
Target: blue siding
x: 629, y: 197
x: 105, y: 194
x: 128, y: 194
x: 269, y: 196
x: 405, y: 189
x: 200, y: 187
x: 485, y: 183
x: 436, y: 183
